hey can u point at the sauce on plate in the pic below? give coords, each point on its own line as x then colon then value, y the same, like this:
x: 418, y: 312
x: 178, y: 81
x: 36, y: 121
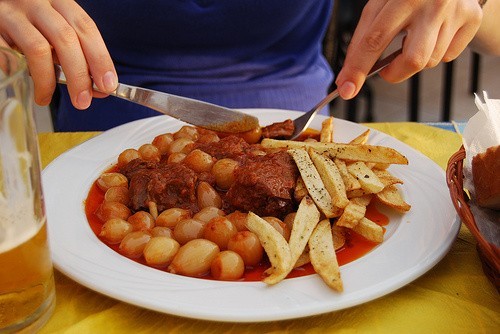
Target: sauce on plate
x: 356, y: 246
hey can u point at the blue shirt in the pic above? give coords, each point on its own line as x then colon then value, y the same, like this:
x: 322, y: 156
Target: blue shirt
x: 236, y: 53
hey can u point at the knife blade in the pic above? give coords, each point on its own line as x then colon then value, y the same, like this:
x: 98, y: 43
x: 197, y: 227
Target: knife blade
x: 203, y: 114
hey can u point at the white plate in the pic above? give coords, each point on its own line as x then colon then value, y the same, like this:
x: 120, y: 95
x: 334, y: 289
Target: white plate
x: 413, y: 243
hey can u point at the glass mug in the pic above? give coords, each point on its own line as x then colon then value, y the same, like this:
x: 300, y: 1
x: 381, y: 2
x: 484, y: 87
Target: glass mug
x: 27, y: 293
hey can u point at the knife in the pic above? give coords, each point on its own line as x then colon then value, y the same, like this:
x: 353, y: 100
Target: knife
x: 199, y: 113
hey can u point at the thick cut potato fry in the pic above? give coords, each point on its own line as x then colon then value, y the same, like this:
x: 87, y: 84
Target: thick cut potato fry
x: 313, y: 182
x: 339, y: 239
x: 361, y: 139
x: 303, y: 259
x: 339, y: 236
x: 370, y: 230
x: 354, y: 211
x: 381, y: 166
x: 305, y: 221
x: 300, y: 190
x: 366, y: 153
x: 323, y: 257
x: 366, y: 177
x: 275, y: 245
x: 331, y: 177
x: 326, y: 134
x: 375, y: 165
x: 385, y: 177
x: 391, y: 197
x: 350, y: 182
x: 357, y: 193
x: 363, y: 200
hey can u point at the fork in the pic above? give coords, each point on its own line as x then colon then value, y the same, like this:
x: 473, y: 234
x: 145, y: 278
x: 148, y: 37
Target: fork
x: 301, y: 123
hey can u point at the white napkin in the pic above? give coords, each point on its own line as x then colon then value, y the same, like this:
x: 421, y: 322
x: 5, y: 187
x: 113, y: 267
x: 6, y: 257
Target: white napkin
x: 481, y: 132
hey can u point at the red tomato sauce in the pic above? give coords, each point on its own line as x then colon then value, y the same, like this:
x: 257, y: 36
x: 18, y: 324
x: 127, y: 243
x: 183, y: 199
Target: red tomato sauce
x: 355, y: 247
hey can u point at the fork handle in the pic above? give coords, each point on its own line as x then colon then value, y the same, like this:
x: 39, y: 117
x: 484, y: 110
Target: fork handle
x: 380, y: 64
x: 377, y: 67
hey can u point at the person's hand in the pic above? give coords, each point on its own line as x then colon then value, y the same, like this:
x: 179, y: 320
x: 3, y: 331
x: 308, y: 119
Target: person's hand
x: 435, y: 31
x: 58, y: 30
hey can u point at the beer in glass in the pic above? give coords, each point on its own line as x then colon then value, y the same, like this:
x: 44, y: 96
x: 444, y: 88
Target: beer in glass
x: 26, y: 277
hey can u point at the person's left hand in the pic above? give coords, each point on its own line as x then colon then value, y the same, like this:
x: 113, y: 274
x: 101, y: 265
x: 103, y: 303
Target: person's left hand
x: 435, y: 31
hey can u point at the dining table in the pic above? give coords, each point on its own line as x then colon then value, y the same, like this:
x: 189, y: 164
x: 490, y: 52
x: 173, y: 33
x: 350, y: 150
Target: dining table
x: 454, y: 296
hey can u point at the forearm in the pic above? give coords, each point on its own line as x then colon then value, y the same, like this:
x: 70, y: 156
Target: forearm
x: 487, y: 39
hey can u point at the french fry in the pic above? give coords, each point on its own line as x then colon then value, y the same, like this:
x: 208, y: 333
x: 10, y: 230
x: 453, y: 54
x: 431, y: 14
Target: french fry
x: 336, y: 180
x: 300, y: 190
x: 365, y: 153
x: 326, y: 134
x: 350, y: 182
x: 339, y: 236
x: 363, y: 200
x: 276, y: 248
x: 303, y: 259
x: 313, y: 182
x: 339, y: 239
x: 368, y: 180
x: 391, y: 197
x: 361, y: 139
x: 323, y: 257
x: 370, y: 230
x: 380, y: 165
x: 385, y: 177
x: 377, y: 165
x: 305, y: 221
x: 354, y: 211
x: 331, y: 177
x: 357, y: 193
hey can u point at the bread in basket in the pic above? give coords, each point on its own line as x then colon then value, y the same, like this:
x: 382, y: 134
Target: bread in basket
x: 488, y: 253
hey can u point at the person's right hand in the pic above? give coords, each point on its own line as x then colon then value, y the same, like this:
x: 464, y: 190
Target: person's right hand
x: 48, y: 31
x: 435, y: 31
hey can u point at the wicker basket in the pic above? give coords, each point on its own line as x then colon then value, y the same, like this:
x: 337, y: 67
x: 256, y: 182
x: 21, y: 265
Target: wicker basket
x: 488, y: 253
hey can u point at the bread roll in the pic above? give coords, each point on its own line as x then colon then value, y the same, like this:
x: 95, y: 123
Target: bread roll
x: 486, y: 178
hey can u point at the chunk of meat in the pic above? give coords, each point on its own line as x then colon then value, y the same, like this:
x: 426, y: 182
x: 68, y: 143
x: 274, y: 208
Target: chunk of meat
x: 169, y: 186
x: 264, y: 185
x: 280, y: 130
x: 228, y: 147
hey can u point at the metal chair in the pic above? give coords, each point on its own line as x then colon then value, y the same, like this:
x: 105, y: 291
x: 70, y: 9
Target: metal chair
x: 447, y: 89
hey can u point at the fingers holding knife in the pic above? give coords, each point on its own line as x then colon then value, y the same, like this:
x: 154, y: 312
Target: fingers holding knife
x: 58, y: 30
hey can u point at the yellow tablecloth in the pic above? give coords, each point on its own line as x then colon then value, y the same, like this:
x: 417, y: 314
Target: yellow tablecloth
x: 455, y: 296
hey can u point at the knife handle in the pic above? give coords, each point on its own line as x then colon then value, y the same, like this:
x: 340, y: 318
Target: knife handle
x: 61, y: 77
x: 122, y: 91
